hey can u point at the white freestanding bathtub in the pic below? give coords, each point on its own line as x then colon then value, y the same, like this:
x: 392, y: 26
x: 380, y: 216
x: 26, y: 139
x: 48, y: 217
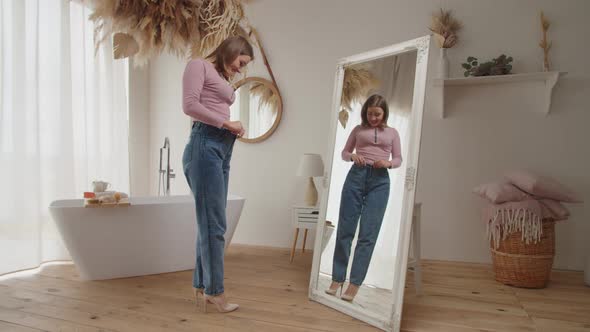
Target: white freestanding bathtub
x: 153, y: 235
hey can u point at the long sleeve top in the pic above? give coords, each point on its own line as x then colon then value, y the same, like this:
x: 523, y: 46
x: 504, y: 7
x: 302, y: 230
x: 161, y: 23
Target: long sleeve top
x: 206, y: 96
x: 374, y: 144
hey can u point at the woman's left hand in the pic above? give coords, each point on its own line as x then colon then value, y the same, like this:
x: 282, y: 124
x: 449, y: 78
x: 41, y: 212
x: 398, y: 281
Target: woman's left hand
x: 381, y: 164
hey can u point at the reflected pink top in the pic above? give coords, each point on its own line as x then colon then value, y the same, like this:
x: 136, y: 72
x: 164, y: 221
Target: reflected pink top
x: 374, y: 144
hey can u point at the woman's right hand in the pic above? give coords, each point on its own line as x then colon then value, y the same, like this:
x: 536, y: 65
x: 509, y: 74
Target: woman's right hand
x: 359, y: 160
x: 235, y: 127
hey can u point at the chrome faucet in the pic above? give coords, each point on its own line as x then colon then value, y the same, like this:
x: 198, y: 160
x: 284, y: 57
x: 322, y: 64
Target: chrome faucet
x: 167, y: 173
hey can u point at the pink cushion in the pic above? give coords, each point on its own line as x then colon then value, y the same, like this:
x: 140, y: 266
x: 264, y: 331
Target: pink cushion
x: 542, y: 186
x: 557, y: 209
x: 500, y: 192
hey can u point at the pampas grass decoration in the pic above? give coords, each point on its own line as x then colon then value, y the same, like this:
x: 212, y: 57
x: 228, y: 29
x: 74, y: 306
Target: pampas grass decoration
x: 445, y: 28
x: 181, y: 27
x: 343, y: 118
x: 218, y: 20
x: 266, y: 96
x: 124, y: 46
x: 358, y: 81
x: 156, y: 26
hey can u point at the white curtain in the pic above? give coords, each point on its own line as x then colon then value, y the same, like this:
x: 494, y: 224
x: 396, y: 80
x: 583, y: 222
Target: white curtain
x: 396, y: 76
x: 63, y: 122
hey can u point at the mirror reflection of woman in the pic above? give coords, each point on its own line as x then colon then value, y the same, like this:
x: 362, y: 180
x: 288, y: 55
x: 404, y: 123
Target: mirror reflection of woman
x: 206, y: 98
x: 365, y: 193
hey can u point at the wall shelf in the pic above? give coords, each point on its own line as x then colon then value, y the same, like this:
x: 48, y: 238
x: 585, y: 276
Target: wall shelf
x: 549, y: 78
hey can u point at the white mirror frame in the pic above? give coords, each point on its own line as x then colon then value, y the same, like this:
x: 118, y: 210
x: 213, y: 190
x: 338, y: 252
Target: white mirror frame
x: 421, y: 45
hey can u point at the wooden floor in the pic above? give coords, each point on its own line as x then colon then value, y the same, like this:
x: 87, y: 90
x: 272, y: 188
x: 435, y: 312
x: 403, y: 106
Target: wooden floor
x: 458, y: 297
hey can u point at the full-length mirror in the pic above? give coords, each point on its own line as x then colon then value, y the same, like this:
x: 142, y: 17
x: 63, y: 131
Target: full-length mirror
x: 359, y: 267
x: 258, y: 106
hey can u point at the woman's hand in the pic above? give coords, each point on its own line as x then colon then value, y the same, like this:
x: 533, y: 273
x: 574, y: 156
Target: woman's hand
x: 382, y: 164
x: 359, y: 160
x: 235, y: 127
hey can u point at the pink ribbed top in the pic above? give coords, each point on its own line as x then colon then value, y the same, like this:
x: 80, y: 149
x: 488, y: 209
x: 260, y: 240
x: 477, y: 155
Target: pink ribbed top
x: 374, y: 144
x: 206, y: 95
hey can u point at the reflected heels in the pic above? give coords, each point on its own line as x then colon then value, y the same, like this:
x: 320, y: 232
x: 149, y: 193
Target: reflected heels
x: 334, y: 288
x: 220, y: 303
x: 350, y: 293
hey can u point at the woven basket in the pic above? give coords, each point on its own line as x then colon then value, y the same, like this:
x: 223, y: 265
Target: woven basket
x: 525, y: 265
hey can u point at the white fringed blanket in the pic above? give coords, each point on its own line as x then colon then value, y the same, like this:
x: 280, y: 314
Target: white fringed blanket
x: 510, y: 217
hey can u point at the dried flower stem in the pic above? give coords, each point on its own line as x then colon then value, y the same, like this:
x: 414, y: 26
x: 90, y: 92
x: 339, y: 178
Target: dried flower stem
x: 545, y: 44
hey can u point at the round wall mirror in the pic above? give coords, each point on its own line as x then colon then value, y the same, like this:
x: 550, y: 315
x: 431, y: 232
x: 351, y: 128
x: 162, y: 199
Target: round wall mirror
x: 258, y: 106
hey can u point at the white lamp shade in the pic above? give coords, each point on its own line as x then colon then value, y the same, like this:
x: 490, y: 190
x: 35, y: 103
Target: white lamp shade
x: 310, y: 165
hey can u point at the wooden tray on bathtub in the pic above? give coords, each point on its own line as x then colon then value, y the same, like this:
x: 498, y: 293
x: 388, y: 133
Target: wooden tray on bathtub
x: 122, y: 202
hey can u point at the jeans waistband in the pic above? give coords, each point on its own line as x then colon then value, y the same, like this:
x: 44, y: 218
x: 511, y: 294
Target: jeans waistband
x: 363, y: 167
x: 370, y: 170
x: 203, y: 127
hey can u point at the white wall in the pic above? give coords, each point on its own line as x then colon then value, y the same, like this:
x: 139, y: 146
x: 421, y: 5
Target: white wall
x: 483, y: 135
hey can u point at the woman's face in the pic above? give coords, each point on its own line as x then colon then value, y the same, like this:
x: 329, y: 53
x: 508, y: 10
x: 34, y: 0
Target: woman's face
x: 375, y: 116
x: 236, y: 66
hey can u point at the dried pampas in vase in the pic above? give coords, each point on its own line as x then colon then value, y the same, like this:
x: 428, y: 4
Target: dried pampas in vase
x: 445, y: 28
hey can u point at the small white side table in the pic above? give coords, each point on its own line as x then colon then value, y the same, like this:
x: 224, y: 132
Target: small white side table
x: 303, y: 217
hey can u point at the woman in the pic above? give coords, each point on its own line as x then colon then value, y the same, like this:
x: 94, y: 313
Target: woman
x: 365, y: 193
x: 206, y: 98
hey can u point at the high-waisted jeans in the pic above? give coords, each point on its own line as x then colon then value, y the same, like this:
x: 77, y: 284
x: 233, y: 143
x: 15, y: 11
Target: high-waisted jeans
x: 364, y: 196
x: 205, y: 163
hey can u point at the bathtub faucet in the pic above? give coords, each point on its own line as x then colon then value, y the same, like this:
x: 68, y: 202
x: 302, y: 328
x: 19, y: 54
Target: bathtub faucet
x: 165, y: 173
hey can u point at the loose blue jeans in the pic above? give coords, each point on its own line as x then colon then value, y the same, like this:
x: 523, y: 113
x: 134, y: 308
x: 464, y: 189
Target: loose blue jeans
x: 364, y: 196
x: 205, y: 163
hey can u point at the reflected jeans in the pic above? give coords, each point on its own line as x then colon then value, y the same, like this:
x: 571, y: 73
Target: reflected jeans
x: 205, y: 163
x: 364, y: 196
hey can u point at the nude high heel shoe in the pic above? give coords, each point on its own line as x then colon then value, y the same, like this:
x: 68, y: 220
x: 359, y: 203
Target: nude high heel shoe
x: 334, y: 288
x: 220, y: 303
x: 350, y: 293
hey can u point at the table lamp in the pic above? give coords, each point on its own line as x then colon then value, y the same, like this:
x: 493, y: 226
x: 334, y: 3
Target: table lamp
x: 311, y: 165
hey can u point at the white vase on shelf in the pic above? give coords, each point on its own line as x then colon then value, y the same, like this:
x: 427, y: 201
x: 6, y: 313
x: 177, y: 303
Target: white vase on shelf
x: 443, y: 64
